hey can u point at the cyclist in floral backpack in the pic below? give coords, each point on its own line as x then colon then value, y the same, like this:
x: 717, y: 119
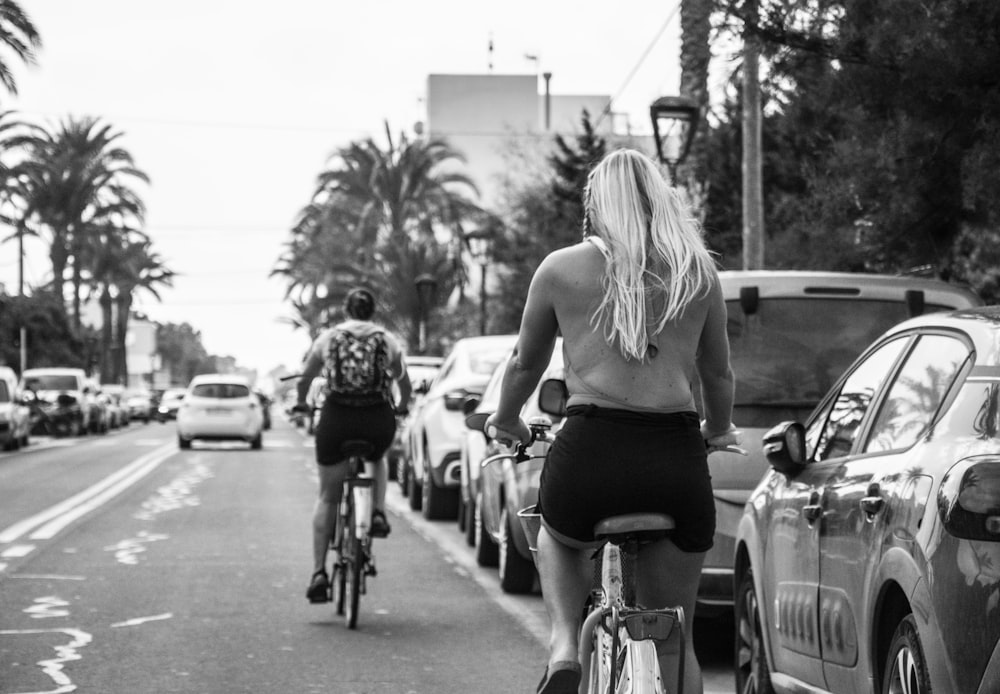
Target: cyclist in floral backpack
x: 360, y: 361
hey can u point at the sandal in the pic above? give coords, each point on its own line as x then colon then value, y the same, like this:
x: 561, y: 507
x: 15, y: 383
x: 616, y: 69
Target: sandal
x: 380, y: 524
x: 319, y: 587
x: 563, y: 677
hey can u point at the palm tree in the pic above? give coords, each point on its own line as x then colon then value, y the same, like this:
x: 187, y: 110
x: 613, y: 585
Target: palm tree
x: 140, y: 269
x: 696, y: 54
x: 374, y: 219
x: 76, y: 178
x: 17, y: 34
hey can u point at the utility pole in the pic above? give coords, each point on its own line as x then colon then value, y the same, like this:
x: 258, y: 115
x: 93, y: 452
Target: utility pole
x: 753, y: 196
x: 23, y: 332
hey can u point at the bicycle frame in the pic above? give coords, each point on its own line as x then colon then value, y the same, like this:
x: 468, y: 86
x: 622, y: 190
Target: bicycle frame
x: 352, y: 539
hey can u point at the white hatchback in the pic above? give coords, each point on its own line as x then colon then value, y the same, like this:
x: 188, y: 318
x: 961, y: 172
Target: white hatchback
x: 220, y: 407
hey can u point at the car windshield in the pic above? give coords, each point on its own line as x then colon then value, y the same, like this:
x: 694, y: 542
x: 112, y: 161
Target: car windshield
x: 485, y: 361
x: 789, y: 352
x: 51, y: 382
x: 220, y: 390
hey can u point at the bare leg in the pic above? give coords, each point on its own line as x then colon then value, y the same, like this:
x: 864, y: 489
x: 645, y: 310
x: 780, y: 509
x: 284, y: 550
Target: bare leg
x: 331, y: 480
x: 668, y: 577
x: 566, y: 576
x: 381, y: 483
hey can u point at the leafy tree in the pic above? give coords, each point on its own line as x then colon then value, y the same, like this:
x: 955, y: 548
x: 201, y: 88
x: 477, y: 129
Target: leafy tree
x: 181, y: 351
x: 51, y: 342
x: 19, y: 36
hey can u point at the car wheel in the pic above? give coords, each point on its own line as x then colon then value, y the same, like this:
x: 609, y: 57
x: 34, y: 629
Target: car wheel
x: 486, y: 550
x: 470, y: 521
x: 439, y: 503
x: 183, y: 443
x: 517, y: 574
x: 752, y: 674
x: 401, y: 477
x: 414, y: 490
x: 905, y: 667
x: 257, y: 443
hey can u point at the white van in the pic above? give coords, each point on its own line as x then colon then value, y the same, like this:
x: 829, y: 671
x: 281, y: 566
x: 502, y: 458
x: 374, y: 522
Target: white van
x: 791, y: 335
x: 64, y: 389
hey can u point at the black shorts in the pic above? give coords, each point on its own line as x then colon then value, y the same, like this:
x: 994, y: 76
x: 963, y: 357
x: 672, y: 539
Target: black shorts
x: 607, y: 462
x: 340, y: 423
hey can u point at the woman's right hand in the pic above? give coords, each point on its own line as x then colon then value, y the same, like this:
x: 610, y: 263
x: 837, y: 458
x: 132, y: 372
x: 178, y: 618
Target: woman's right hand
x: 507, y: 433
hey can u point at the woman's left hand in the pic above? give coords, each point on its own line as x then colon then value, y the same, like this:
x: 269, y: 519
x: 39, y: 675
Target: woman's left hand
x: 507, y: 433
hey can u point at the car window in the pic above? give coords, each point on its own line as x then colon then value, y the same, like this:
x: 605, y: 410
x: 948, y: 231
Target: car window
x: 484, y: 362
x: 220, y: 390
x: 789, y: 352
x: 52, y: 382
x: 917, y: 392
x: 840, y: 425
x: 4, y: 392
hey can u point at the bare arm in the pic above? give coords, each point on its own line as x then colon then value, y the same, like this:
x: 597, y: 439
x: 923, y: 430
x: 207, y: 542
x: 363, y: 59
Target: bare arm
x: 532, y: 353
x: 402, y: 379
x: 714, y: 370
x: 310, y: 369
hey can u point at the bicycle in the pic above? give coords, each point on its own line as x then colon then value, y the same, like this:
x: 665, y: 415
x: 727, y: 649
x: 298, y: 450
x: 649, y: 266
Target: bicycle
x: 618, y: 637
x: 352, y: 539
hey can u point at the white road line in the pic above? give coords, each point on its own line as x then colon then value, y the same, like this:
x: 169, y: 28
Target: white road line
x: 62, y: 514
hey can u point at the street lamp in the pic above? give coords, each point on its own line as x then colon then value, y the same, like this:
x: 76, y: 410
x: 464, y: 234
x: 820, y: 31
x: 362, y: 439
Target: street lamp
x: 426, y: 287
x: 675, y: 120
x: 480, y: 242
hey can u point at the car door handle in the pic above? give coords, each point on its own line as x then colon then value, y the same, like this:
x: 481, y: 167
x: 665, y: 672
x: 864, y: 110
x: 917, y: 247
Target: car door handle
x: 873, y: 502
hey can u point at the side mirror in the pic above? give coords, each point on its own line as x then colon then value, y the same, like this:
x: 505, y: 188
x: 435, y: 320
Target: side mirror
x: 477, y: 421
x: 552, y: 397
x: 470, y: 404
x: 785, y: 448
x: 422, y: 387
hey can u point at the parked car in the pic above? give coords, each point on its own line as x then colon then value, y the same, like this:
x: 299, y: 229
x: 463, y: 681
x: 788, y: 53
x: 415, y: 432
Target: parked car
x: 15, y: 419
x: 63, y: 397
x: 791, y: 334
x: 501, y: 487
x: 140, y: 404
x: 170, y: 403
x: 434, y: 436
x: 868, y: 557
x: 220, y: 407
x: 421, y: 370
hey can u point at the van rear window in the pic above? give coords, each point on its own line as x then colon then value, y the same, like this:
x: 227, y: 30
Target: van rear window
x: 220, y: 390
x: 788, y: 353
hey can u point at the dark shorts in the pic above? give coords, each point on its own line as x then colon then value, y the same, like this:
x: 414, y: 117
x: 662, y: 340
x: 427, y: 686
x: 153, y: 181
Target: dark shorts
x: 608, y: 462
x: 339, y: 423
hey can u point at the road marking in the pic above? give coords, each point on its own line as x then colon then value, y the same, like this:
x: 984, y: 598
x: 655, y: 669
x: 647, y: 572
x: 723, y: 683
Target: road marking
x: 48, y: 606
x: 16, y: 551
x: 54, y: 667
x: 142, y: 620
x: 62, y: 514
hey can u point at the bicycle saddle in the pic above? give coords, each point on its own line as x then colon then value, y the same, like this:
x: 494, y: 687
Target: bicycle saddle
x: 633, y: 524
x: 357, y: 447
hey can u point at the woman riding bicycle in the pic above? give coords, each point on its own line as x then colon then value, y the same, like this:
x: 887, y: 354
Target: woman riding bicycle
x: 639, y: 306
x: 361, y: 414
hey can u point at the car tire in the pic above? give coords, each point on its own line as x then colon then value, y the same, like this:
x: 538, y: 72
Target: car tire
x: 257, y: 443
x: 905, y: 667
x: 470, y: 521
x: 486, y: 551
x: 517, y: 574
x: 749, y: 657
x: 439, y: 503
x: 402, y: 477
x: 414, y: 491
x: 183, y: 443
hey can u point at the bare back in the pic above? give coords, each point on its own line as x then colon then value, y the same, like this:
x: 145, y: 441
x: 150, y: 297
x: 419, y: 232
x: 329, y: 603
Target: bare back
x: 597, y: 372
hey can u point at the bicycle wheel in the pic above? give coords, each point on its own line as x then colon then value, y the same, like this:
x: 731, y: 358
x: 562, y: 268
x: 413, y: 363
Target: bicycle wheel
x: 352, y: 566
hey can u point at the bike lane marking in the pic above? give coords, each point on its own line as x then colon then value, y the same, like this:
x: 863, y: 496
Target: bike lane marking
x: 45, y: 525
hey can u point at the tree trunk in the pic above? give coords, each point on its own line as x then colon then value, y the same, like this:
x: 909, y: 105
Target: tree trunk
x: 107, y: 327
x: 696, y: 55
x: 124, y: 309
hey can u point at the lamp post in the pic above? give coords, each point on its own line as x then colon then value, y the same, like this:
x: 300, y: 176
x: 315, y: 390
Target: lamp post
x: 426, y: 287
x: 675, y: 120
x: 480, y: 244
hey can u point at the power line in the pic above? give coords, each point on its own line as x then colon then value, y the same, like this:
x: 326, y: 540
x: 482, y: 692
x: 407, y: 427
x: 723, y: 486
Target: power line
x: 649, y: 49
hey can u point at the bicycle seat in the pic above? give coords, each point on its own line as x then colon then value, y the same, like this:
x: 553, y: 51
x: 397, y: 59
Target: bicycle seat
x: 357, y: 447
x: 617, y: 528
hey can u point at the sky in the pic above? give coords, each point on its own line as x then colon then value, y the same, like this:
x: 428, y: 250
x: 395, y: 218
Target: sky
x: 232, y: 107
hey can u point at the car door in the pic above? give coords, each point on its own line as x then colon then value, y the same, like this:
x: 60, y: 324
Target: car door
x: 790, y: 580
x: 872, y: 495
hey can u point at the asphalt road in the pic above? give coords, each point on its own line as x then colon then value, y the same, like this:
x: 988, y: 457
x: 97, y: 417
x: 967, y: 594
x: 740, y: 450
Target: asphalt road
x: 128, y: 565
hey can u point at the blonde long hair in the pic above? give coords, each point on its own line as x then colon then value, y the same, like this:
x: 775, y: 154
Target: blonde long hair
x: 653, y: 247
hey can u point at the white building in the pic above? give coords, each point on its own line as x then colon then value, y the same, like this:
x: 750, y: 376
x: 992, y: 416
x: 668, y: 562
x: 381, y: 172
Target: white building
x: 487, y: 117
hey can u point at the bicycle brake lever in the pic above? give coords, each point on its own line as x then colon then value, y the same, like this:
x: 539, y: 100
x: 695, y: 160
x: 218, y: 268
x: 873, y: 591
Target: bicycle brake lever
x: 521, y: 454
